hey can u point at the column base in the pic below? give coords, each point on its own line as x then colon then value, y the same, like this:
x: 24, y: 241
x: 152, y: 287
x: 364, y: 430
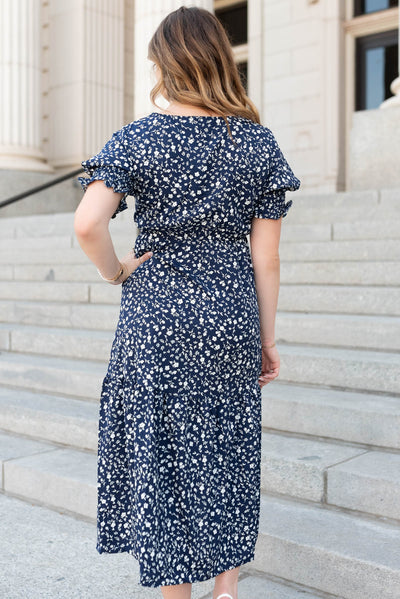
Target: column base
x: 18, y: 159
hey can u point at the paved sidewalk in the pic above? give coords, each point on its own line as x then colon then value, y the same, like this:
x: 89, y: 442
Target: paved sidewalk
x: 45, y: 554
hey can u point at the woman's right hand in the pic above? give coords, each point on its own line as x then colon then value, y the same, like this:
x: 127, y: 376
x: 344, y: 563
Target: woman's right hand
x: 130, y: 264
x: 270, y: 365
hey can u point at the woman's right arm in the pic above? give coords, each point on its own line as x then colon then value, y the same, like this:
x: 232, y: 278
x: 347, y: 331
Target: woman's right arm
x: 264, y: 243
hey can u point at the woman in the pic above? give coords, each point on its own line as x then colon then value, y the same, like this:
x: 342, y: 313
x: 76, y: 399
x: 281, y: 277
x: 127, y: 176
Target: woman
x: 179, y: 453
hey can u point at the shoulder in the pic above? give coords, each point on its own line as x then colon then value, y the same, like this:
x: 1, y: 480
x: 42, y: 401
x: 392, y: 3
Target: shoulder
x: 258, y: 133
x: 140, y: 127
x: 135, y: 137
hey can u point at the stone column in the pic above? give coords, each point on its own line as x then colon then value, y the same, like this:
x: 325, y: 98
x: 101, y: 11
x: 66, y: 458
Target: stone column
x: 395, y: 86
x: 20, y: 93
x: 148, y: 16
x: 86, y: 77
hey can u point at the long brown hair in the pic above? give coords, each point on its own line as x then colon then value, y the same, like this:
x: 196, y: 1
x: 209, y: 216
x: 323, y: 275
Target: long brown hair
x: 197, y: 67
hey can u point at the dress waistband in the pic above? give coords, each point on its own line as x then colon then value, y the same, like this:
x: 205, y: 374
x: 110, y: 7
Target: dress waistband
x: 154, y: 240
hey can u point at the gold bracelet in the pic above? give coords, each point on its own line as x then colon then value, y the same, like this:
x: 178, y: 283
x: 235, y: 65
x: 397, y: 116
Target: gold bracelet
x: 120, y: 272
x: 268, y: 346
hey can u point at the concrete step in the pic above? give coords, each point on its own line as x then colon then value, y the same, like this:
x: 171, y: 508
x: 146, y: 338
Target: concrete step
x: 327, y: 273
x: 299, y: 251
x: 339, y: 230
x: 367, y: 229
x: 59, y: 314
x: 348, y: 206
x: 364, y: 418
x: 335, y: 299
x: 49, y: 291
x: 50, y: 418
x: 339, y: 330
x: 76, y: 378
x: 347, y: 369
x: 62, y: 478
x: 367, y: 483
x: 337, y: 553
x: 44, y: 225
x: 56, y: 341
x: 46, y: 243
x: 332, y: 474
x: 341, y: 273
x: 343, y: 250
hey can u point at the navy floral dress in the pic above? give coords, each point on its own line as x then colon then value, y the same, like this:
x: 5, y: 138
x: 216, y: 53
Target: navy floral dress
x: 179, y: 441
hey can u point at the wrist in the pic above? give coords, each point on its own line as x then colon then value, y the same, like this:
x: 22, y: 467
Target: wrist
x: 269, y: 343
x: 116, y: 279
x: 124, y: 274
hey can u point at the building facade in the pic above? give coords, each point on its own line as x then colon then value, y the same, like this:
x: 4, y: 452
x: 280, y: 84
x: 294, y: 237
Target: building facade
x: 323, y: 73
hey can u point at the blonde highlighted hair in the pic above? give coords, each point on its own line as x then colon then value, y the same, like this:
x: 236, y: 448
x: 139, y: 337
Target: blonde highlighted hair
x: 197, y: 67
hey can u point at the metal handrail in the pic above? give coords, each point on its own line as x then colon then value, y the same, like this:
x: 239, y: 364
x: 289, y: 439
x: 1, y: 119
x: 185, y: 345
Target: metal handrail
x: 33, y: 190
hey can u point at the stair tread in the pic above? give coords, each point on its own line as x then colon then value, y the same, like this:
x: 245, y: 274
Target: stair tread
x: 38, y: 361
x: 334, y: 397
x: 331, y: 531
x: 45, y: 403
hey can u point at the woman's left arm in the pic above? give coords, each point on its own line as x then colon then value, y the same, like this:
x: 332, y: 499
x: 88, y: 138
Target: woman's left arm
x: 91, y: 222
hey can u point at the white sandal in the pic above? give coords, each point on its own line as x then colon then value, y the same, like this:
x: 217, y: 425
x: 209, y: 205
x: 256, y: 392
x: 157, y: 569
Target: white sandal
x: 225, y: 595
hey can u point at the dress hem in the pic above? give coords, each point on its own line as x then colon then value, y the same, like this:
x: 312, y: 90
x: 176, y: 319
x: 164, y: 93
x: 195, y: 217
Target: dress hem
x: 185, y: 579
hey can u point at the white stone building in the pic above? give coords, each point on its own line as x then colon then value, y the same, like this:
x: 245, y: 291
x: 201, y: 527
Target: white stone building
x: 318, y: 70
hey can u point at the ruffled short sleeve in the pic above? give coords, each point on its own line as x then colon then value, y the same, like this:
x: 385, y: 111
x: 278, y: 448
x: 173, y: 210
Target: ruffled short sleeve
x: 278, y: 178
x: 113, y: 166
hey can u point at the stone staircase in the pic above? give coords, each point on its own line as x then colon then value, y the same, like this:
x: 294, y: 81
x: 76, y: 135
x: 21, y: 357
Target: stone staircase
x: 330, y: 513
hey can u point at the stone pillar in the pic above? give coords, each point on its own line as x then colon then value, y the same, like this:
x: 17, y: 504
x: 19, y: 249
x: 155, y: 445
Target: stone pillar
x: 148, y: 16
x: 395, y: 86
x: 255, y: 63
x: 86, y: 77
x: 20, y: 93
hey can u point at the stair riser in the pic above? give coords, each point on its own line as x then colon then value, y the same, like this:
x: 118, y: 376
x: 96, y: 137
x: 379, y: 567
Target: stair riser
x: 367, y: 426
x: 298, y: 467
x: 386, y: 249
x: 81, y: 434
x: 365, y: 229
x: 67, y: 346
x: 326, y: 571
x: 52, y: 380
x: 355, y: 491
x: 372, y: 334
x: 339, y: 299
x: 346, y: 374
x: 87, y: 316
x: 36, y: 243
x: 58, y: 492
